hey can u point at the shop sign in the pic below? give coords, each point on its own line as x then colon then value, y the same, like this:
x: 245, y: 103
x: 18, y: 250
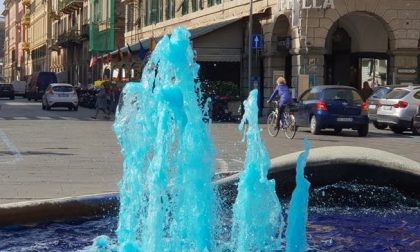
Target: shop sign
x: 305, y: 4
x: 406, y: 71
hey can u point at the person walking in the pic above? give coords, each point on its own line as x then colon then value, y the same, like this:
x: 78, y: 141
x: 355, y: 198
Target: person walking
x: 101, y: 103
x: 284, y: 98
x: 366, y: 91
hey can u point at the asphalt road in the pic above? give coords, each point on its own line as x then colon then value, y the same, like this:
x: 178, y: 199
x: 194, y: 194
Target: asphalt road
x: 60, y: 153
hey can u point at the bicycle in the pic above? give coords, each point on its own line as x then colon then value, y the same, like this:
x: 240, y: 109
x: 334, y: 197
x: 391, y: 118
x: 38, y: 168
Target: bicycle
x: 288, y: 124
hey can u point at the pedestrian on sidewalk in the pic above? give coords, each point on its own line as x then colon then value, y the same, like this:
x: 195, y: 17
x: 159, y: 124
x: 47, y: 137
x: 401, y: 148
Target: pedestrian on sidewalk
x: 101, y: 103
x: 366, y: 91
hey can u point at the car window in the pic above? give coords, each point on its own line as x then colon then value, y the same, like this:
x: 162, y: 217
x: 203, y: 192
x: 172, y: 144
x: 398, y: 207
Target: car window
x: 62, y: 89
x: 380, y: 93
x: 417, y: 95
x: 310, y: 94
x: 305, y: 95
x: 397, y: 94
x: 336, y: 94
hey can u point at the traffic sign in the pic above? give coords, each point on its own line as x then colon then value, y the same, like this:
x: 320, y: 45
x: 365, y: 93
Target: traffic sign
x: 257, y: 41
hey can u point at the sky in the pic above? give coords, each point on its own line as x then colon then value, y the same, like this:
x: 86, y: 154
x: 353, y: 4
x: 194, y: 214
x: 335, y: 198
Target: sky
x: 1, y: 6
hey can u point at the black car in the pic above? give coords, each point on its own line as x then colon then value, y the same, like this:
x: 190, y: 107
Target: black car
x: 334, y: 107
x: 6, y: 90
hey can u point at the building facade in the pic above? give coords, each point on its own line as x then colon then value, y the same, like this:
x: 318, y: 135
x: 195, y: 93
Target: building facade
x: 69, y: 46
x: 310, y: 42
x: 2, y: 32
x: 15, y: 46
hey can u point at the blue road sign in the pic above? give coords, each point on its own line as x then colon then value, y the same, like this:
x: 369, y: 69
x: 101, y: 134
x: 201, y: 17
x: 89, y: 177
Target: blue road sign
x: 256, y: 41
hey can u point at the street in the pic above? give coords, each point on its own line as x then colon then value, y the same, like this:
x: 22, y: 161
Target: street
x: 60, y: 153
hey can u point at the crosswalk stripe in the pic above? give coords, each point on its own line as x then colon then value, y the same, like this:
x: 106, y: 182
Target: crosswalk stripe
x: 44, y: 117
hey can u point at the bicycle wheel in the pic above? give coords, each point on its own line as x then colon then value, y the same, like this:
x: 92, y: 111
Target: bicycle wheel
x: 290, y: 127
x: 271, y: 124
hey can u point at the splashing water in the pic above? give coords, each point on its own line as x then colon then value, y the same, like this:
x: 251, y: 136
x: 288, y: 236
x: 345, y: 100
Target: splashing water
x: 257, y: 210
x: 167, y: 198
x: 298, y: 210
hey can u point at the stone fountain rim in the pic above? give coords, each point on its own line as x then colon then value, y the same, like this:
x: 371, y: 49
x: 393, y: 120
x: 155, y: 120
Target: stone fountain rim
x: 96, y: 205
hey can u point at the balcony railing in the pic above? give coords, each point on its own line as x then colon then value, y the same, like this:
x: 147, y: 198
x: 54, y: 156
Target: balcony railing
x: 26, y: 2
x: 26, y: 20
x: 70, y: 39
x: 69, y: 6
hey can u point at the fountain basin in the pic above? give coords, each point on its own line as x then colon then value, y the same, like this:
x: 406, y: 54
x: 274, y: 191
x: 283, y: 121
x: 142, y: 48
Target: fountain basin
x: 325, y: 166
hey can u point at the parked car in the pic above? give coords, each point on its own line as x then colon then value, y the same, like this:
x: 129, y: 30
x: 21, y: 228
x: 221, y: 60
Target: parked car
x: 416, y: 122
x: 398, y: 108
x: 60, y: 95
x: 6, y: 90
x: 39, y: 83
x: 378, y: 94
x: 336, y: 107
x: 19, y: 87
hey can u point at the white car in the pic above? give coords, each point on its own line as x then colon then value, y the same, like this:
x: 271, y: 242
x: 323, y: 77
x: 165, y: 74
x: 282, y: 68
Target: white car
x: 60, y: 95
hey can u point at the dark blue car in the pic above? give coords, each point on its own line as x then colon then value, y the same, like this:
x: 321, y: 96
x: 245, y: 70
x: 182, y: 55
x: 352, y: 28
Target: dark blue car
x: 334, y: 107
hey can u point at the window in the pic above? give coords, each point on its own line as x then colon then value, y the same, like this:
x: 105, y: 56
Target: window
x: 340, y: 94
x: 185, y: 6
x: 381, y: 92
x: 170, y: 9
x: 397, y: 94
x: 213, y: 2
x: 129, y: 26
x: 417, y: 95
x: 154, y: 11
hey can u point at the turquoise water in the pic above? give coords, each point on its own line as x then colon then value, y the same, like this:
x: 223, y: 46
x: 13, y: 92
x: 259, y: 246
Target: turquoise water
x: 167, y: 199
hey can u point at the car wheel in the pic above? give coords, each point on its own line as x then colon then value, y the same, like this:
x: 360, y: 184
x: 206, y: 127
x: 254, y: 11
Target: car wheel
x: 43, y: 106
x: 315, y: 129
x: 416, y: 131
x: 380, y: 126
x: 48, y: 107
x: 363, y: 130
x: 12, y: 97
x: 29, y: 98
x: 76, y: 108
x: 69, y: 108
x: 338, y: 130
x: 397, y: 129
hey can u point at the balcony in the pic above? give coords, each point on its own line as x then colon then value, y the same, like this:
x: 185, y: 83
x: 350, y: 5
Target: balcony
x: 69, y: 6
x: 54, y: 15
x: 71, y: 38
x: 26, y: 46
x: 26, y: 20
x: 27, y: 3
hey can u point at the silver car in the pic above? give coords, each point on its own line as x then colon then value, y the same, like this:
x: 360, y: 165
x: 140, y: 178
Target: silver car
x: 398, y: 108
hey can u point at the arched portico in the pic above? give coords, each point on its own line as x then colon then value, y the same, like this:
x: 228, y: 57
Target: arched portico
x: 377, y: 37
x: 358, y: 48
x: 277, y: 61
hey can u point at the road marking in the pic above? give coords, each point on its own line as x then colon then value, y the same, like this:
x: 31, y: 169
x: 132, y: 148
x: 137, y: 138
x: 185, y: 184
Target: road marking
x: 20, y: 118
x: 44, y: 117
x: 11, y: 147
x: 66, y: 118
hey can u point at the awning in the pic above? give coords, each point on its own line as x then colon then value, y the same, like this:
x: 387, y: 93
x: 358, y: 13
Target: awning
x: 195, y: 33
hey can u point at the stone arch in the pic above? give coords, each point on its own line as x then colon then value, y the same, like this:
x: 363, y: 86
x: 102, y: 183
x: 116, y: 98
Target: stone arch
x: 331, y: 21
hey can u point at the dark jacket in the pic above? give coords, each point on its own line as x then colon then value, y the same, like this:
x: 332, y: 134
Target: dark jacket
x: 283, y: 93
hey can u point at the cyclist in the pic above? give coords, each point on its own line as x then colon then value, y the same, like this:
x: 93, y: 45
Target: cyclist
x: 284, y: 98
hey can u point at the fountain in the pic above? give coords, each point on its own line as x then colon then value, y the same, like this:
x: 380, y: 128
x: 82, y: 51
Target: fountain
x: 168, y: 201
